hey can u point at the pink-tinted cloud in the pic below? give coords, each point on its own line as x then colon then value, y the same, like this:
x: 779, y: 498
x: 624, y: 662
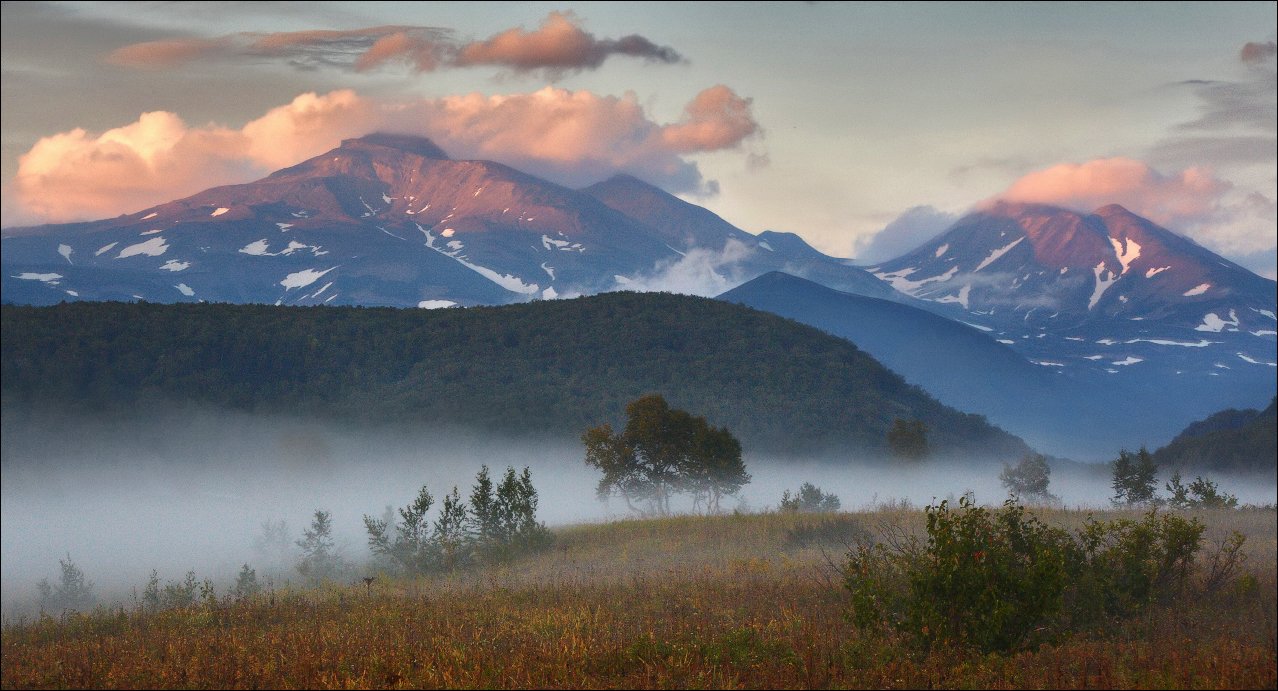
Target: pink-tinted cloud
x: 557, y: 47
x: 166, y: 54
x: 558, y: 44
x: 716, y: 119
x: 1193, y: 201
x: 571, y: 137
x: 1254, y: 53
x: 1175, y: 199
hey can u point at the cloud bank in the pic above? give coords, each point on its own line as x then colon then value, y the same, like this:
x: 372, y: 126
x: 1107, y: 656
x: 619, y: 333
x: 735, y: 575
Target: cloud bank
x: 557, y: 47
x: 1192, y: 201
x: 571, y: 137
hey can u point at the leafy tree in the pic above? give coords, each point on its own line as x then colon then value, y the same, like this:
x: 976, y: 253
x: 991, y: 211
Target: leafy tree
x: 180, y: 594
x: 412, y: 547
x: 319, y: 561
x: 810, y: 499
x: 663, y: 450
x: 1029, y: 478
x: 908, y: 439
x: 715, y: 468
x: 273, y: 546
x: 1134, y: 477
x: 1201, y: 493
x: 450, y: 528
x: 73, y: 591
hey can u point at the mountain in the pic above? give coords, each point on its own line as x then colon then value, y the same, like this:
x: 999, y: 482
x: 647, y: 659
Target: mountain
x: 551, y: 368
x: 1238, y: 441
x: 686, y: 226
x: 961, y: 366
x: 381, y: 220
x: 1105, y: 291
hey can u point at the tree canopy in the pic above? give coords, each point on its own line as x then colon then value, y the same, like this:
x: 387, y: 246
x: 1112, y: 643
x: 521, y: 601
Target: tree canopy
x: 662, y: 451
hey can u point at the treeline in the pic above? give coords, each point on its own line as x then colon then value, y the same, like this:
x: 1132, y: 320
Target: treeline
x: 1240, y: 441
x: 552, y: 368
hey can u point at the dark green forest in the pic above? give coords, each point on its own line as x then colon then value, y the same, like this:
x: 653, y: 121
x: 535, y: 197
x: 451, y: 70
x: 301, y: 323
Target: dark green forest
x: 552, y: 368
x: 1232, y: 440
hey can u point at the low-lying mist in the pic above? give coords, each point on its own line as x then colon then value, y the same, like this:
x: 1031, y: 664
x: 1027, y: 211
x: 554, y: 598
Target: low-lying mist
x: 190, y: 489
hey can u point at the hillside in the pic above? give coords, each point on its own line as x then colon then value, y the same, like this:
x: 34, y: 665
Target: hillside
x: 547, y: 368
x: 1230, y: 441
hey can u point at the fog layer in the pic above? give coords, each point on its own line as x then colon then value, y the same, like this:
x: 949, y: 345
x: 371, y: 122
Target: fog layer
x: 189, y: 489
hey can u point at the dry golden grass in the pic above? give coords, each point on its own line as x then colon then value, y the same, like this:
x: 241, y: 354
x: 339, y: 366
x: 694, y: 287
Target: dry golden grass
x: 724, y: 602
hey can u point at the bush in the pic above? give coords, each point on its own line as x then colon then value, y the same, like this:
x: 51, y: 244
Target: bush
x: 1001, y: 580
x: 810, y: 499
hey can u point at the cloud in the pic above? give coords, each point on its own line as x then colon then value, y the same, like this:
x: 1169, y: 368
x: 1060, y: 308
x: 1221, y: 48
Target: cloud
x: 559, y: 44
x: 558, y: 47
x: 1254, y: 53
x: 570, y: 137
x: 1173, y: 199
x: 906, y: 232
x: 716, y: 119
x: 1194, y: 201
x: 701, y: 271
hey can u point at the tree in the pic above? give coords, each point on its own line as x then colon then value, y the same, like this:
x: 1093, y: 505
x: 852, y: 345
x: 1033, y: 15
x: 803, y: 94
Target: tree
x: 663, y: 450
x: 450, y: 529
x: 1028, y: 478
x: 810, y: 499
x: 715, y: 468
x: 485, y: 525
x: 73, y: 591
x: 908, y: 439
x: 1201, y: 493
x: 412, y: 547
x: 1134, y: 477
x: 246, y: 584
x: 319, y: 561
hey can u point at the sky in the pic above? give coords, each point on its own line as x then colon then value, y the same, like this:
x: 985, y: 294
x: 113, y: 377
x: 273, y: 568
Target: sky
x: 866, y: 128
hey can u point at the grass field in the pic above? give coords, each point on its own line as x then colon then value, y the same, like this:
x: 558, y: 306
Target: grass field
x: 729, y: 601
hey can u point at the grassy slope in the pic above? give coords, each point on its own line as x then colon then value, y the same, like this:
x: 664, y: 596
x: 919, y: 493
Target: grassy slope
x: 734, y: 601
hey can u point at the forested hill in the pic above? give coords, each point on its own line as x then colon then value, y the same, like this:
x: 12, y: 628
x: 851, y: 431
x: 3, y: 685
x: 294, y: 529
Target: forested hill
x: 551, y: 368
x: 1232, y: 440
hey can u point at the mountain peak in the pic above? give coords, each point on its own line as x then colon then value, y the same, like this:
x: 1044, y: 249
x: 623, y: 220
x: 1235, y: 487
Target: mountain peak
x: 404, y: 142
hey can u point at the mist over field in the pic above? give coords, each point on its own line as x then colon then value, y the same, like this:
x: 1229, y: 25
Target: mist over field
x: 189, y: 489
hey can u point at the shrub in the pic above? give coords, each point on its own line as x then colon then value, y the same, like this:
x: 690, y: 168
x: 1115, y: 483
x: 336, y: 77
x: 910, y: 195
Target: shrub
x: 1000, y: 580
x: 809, y: 499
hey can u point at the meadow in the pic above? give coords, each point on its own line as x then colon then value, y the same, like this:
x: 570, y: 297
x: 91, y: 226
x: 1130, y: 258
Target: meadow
x: 732, y: 601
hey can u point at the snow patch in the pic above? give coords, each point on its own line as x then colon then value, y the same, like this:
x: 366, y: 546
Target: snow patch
x: 1184, y: 344
x: 1154, y: 272
x: 942, y: 250
x: 152, y: 232
x: 65, y: 251
x: 549, y: 293
x: 1126, y: 252
x: 994, y: 256
x: 1267, y: 313
x: 1102, y: 284
x: 1197, y: 290
x: 151, y: 248
x: 104, y: 249
x: 961, y: 298
x: 561, y: 245
x: 1129, y: 360
x: 326, y: 287
x: 448, y: 232
x: 73, y: 294
x: 220, y: 210
x: 1242, y: 356
x: 977, y: 326
x: 762, y: 243
x: 1048, y: 363
x: 1093, y: 357
x: 1005, y: 341
x: 435, y: 304
x: 175, y: 265
x: 1213, y: 323
x: 51, y: 279
x: 899, y: 279
x: 259, y: 248
x: 284, y: 226
x: 303, y: 278
x: 1107, y: 341
x: 185, y: 290
x: 549, y: 270
x: 1263, y: 332
x: 149, y: 216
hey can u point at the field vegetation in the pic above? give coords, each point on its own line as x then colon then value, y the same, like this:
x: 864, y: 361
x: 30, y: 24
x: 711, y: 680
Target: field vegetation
x: 749, y: 600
